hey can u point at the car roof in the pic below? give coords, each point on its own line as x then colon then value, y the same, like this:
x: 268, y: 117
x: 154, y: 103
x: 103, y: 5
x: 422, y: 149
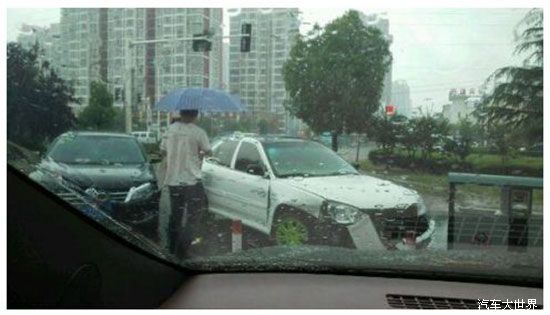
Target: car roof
x: 265, y: 138
x: 98, y: 134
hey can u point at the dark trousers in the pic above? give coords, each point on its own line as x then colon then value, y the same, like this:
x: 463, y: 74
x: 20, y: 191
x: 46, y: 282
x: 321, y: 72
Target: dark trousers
x: 186, y: 220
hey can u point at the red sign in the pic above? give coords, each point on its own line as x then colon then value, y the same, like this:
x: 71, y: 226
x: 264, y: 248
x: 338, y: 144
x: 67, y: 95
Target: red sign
x: 390, y: 110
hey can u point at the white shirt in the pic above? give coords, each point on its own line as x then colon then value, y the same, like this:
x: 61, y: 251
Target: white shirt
x: 182, y: 143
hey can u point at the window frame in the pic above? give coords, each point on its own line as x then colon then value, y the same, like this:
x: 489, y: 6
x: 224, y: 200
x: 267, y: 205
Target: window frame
x: 263, y: 157
x: 252, y: 145
x: 232, y: 160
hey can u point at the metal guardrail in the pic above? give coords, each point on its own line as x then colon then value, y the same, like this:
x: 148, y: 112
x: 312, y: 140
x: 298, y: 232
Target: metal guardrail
x: 495, y: 180
x: 516, y: 221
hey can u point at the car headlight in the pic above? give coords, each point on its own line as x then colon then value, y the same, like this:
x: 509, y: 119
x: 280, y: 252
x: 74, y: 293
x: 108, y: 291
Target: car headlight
x: 422, y: 209
x: 139, y: 192
x: 342, y: 213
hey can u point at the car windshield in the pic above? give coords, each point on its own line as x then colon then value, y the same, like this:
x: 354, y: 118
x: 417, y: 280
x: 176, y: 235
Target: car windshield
x: 77, y: 149
x: 347, y: 139
x: 299, y: 158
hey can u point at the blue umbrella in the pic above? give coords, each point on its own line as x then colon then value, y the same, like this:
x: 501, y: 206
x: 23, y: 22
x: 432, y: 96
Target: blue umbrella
x: 202, y: 99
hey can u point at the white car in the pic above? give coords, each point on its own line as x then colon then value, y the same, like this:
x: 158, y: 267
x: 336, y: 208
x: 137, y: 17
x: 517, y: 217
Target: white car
x: 300, y: 192
x: 147, y: 137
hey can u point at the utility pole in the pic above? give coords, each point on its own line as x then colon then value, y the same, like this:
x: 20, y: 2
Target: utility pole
x: 129, y: 69
x: 128, y: 86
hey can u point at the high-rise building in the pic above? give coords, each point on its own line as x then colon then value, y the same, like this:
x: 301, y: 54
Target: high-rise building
x: 81, y: 42
x: 256, y: 76
x: 401, y: 98
x: 163, y: 66
x: 381, y: 22
x: 48, y: 40
x: 463, y: 104
x: 225, y: 75
x: 99, y: 39
x: 178, y: 64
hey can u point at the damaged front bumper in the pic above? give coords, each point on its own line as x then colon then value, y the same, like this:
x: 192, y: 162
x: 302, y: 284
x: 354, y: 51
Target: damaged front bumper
x: 419, y: 242
x: 366, y: 234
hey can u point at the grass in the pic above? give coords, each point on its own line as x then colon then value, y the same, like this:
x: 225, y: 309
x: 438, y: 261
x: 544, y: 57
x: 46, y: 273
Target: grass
x: 488, y: 160
x: 485, y: 163
x: 434, y: 155
x: 438, y: 186
x: 483, y: 160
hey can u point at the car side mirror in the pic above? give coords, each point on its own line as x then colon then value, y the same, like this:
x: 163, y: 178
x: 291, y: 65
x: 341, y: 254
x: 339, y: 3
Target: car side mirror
x: 255, y: 169
x: 214, y: 160
x: 356, y: 165
x: 155, y: 158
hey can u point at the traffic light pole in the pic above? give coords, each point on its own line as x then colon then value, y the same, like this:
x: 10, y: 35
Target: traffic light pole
x: 166, y: 40
x: 128, y: 86
x: 129, y: 69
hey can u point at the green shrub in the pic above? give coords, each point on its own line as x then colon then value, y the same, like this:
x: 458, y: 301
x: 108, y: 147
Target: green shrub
x: 439, y: 163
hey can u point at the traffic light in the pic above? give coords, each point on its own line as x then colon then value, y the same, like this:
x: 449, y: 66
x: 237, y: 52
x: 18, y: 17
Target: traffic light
x: 390, y: 110
x: 119, y: 94
x: 201, y: 44
x: 246, y: 38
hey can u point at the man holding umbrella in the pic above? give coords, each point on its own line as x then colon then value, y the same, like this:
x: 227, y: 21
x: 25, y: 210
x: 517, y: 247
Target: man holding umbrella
x: 184, y: 145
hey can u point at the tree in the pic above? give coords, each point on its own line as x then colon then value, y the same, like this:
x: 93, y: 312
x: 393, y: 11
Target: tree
x: 119, y: 121
x: 409, y: 138
x: 208, y: 124
x: 465, y: 133
x: 499, y: 138
x: 387, y: 132
x: 517, y: 101
x: 263, y: 127
x: 334, y: 77
x: 430, y: 131
x: 37, y: 99
x: 268, y: 125
x: 100, y: 113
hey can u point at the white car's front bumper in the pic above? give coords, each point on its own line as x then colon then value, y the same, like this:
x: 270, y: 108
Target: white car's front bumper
x: 421, y: 241
x: 366, y: 237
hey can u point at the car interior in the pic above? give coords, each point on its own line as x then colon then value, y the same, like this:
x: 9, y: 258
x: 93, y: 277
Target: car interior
x: 59, y: 258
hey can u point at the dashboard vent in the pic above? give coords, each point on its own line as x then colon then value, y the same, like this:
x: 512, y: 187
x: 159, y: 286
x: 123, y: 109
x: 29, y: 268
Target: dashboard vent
x: 429, y: 302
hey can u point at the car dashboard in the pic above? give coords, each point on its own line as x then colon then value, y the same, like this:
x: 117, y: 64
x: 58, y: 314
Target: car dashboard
x: 330, y: 291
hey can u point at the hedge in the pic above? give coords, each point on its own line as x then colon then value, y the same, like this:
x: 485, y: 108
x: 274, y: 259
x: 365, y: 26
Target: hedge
x: 474, y: 163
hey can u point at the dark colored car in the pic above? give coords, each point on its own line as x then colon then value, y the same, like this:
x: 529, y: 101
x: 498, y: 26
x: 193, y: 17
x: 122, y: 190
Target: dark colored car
x: 91, y: 167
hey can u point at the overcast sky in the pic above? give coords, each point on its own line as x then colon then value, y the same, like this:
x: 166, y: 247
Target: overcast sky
x: 434, y: 50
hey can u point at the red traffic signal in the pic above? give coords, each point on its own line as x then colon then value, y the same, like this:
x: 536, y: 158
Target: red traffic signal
x: 201, y: 44
x: 390, y: 110
x: 246, y: 38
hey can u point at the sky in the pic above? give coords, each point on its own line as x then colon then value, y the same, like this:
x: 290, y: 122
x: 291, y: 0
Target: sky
x: 434, y: 50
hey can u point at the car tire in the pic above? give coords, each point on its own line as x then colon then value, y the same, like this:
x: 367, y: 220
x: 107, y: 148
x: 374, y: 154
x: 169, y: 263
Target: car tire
x: 293, y: 227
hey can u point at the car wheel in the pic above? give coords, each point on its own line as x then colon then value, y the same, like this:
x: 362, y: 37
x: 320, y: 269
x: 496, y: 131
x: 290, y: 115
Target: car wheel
x: 292, y: 229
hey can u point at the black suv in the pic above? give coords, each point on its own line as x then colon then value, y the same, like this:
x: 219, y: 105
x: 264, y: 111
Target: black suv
x: 94, y: 171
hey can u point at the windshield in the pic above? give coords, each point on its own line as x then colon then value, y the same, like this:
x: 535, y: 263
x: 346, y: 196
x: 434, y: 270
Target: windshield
x: 341, y: 139
x: 96, y: 150
x: 300, y: 158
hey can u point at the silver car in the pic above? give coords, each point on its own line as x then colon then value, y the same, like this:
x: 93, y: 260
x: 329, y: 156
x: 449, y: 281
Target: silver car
x: 300, y: 192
